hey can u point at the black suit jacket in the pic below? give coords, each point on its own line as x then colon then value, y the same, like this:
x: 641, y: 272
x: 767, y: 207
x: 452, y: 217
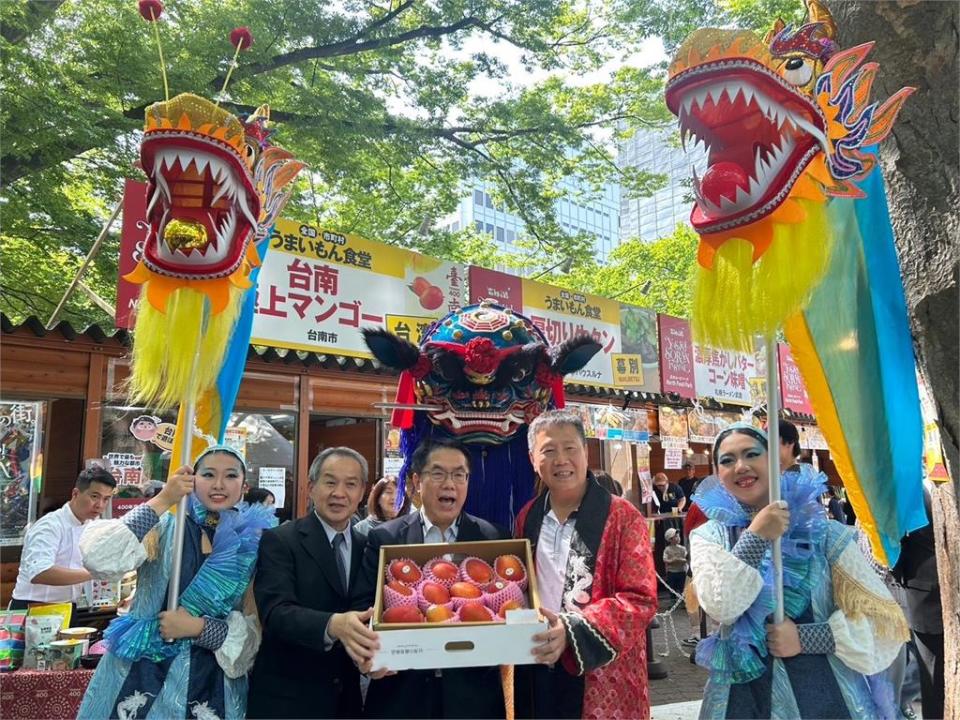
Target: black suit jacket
x: 297, y: 589
x: 455, y: 693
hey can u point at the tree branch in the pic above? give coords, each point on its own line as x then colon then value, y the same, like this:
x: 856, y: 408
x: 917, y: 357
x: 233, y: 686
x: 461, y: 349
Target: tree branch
x: 36, y: 13
x: 353, y: 46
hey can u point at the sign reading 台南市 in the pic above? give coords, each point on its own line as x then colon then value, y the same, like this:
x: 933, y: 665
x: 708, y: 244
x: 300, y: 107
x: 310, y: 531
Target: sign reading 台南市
x: 560, y: 314
x: 318, y: 289
x: 676, y: 357
x: 724, y: 375
x: 792, y: 390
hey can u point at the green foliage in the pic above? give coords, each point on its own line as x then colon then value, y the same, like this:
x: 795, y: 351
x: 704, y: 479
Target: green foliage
x: 659, y: 274
x: 379, y: 98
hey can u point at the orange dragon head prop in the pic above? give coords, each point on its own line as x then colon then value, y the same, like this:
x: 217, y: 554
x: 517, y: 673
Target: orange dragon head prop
x: 783, y: 120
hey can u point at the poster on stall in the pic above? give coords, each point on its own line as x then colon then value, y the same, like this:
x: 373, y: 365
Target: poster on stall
x: 21, y: 463
x: 673, y: 427
x: 725, y: 375
x: 704, y: 425
x: 676, y: 357
x: 236, y: 437
x: 274, y: 480
x: 319, y: 288
x: 586, y: 414
x: 811, y: 438
x: 560, y: 314
x: 392, y: 456
x: 641, y: 344
x: 793, y: 392
x: 672, y: 458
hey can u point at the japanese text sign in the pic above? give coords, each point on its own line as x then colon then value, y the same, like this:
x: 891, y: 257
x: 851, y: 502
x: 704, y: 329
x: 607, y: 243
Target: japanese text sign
x: 724, y: 375
x: 560, y: 314
x: 676, y: 357
x: 792, y: 390
x: 318, y: 289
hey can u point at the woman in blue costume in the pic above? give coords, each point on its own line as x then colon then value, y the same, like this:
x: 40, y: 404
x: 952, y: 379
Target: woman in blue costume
x: 191, y: 663
x: 842, y: 627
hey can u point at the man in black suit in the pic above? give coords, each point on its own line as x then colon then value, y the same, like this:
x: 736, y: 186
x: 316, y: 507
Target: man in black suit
x: 440, y: 470
x: 312, y: 641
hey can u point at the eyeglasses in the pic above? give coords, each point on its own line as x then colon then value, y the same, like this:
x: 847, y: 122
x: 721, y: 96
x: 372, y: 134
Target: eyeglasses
x: 459, y: 477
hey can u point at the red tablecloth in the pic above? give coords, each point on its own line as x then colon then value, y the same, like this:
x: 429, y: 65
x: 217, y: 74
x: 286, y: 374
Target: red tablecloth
x: 48, y: 694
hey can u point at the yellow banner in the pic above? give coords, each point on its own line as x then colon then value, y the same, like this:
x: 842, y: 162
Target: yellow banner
x: 627, y: 369
x: 317, y: 243
x: 409, y: 327
x: 570, y: 302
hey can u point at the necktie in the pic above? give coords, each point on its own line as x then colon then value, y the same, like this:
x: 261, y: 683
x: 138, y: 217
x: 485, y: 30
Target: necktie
x: 338, y: 541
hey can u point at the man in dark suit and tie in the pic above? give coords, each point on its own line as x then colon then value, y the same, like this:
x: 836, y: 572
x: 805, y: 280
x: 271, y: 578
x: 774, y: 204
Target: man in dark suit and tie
x: 440, y: 470
x: 312, y: 641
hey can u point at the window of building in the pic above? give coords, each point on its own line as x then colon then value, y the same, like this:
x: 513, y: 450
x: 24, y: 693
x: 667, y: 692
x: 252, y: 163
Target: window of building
x: 499, y: 234
x: 478, y: 197
x: 488, y: 201
x: 510, y: 237
x: 489, y: 229
x: 455, y: 226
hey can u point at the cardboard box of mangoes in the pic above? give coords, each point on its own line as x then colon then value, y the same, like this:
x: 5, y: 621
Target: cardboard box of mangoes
x: 465, y: 604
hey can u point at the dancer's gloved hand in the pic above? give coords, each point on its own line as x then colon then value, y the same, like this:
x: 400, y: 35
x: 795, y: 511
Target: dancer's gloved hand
x: 772, y: 521
x: 783, y: 640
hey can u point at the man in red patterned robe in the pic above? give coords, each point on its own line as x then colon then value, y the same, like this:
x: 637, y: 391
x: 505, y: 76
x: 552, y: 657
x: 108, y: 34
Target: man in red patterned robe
x: 596, y: 581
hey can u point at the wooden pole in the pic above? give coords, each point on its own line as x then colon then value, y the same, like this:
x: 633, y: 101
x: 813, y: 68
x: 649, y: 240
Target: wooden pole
x: 773, y: 463
x: 83, y: 268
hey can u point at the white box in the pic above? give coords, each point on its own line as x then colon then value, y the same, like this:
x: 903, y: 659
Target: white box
x: 405, y: 646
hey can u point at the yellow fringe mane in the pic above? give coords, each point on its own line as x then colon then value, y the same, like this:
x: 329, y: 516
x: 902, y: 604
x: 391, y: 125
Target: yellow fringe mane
x: 856, y: 601
x: 165, y: 344
x: 740, y: 297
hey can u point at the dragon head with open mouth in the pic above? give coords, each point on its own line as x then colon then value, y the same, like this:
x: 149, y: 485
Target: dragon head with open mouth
x: 215, y: 187
x: 781, y: 117
x: 785, y: 120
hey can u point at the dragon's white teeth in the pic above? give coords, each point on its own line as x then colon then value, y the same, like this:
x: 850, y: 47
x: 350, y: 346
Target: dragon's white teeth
x: 153, y: 199
x: 241, y: 200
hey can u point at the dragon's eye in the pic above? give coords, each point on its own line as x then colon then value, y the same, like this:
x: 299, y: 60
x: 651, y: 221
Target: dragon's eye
x: 519, y: 375
x: 251, y: 152
x: 797, y: 71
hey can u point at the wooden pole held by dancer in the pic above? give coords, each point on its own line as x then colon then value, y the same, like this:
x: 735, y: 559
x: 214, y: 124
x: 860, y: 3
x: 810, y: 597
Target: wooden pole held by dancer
x: 773, y: 462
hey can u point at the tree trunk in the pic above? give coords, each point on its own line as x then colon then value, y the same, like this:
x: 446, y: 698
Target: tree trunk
x: 916, y: 45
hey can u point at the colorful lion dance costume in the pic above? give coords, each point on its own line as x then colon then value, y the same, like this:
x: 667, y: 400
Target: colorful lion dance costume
x: 485, y: 372
x: 795, y: 233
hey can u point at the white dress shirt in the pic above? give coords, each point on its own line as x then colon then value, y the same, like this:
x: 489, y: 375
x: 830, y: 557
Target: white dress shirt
x: 53, y: 540
x: 432, y: 534
x: 553, y: 550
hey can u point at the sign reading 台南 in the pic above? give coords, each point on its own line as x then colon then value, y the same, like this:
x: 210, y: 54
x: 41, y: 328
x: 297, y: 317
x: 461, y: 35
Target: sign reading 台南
x: 560, y: 314
x: 318, y: 289
x: 676, y: 357
x: 792, y: 390
x: 724, y: 375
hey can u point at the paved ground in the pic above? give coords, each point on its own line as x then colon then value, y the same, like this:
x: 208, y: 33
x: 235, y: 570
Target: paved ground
x: 684, y: 682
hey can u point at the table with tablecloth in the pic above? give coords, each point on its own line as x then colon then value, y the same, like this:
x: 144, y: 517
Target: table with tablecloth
x: 42, y: 694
